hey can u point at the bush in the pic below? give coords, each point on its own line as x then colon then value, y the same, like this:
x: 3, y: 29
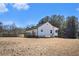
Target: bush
x: 5, y: 34
x: 0, y: 34
x: 29, y: 35
x: 9, y: 35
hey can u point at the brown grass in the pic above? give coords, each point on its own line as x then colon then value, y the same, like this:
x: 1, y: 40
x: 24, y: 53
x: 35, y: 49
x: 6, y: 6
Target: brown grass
x: 14, y: 46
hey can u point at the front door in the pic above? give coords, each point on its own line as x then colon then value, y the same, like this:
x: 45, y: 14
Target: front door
x: 51, y: 33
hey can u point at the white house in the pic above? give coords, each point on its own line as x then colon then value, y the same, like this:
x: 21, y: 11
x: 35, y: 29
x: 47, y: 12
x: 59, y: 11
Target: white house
x: 45, y: 30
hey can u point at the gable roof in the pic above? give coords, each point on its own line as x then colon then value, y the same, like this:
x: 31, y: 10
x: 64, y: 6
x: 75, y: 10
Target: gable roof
x: 47, y: 22
x: 35, y: 27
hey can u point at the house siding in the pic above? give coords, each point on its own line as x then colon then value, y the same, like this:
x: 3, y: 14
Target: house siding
x: 44, y: 31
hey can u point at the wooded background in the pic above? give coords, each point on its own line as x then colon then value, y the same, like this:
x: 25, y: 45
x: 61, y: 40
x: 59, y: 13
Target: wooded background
x: 68, y: 26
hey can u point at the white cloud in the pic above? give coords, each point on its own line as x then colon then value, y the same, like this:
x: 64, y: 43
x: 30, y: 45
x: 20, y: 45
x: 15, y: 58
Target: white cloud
x: 77, y: 9
x: 3, y: 8
x: 21, y: 6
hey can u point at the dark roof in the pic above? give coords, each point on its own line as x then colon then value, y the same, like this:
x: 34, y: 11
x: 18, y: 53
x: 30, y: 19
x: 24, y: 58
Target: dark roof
x: 35, y: 27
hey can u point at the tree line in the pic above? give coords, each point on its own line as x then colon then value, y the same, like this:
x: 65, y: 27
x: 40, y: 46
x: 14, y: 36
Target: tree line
x: 68, y: 27
x: 10, y: 30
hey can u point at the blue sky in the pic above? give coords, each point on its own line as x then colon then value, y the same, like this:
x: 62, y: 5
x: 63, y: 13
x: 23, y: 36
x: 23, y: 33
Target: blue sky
x: 26, y: 14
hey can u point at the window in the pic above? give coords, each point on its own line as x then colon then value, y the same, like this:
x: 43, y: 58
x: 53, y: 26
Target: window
x: 41, y: 30
x: 50, y: 31
x: 56, y: 31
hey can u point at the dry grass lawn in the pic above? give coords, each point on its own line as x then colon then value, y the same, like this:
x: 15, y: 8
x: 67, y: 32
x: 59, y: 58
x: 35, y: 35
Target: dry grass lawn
x: 14, y: 46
